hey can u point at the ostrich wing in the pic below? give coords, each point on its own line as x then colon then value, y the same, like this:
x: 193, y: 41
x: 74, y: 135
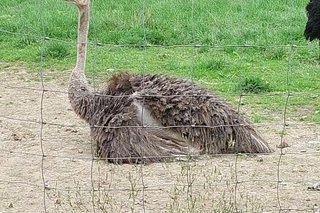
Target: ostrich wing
x: 201, y: 117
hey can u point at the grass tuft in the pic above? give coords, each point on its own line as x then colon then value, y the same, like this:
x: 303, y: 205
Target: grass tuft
x: 254, y: 84
x: 26, y: 41
x: 212, y: 64
x: 276, y: 54
x: 56, y: 50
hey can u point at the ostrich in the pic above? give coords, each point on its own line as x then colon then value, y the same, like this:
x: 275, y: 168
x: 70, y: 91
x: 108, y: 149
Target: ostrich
x: 312, y: 29
x: 149, y: 118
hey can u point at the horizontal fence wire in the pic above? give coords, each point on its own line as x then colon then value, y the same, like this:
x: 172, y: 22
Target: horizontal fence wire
x: 153, y: 187
x: 19, y: 153
x: 72, y: 42
x: 271, y: 94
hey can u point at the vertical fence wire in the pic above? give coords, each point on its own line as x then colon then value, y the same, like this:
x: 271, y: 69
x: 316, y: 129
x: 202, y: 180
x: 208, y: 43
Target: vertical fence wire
x: 283, y: 144
x: 189, y: 175
x: 236, y: 182
x: 236, y: 148
x: 93, y: 77
x: 41, y: 110
x: 143, y: 69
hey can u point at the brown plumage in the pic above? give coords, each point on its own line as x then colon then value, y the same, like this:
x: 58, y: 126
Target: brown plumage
x: 150, y: 118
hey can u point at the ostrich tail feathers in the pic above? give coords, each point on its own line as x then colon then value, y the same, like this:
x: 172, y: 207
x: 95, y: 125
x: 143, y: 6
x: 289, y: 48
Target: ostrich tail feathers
x: 260, y: 144
x: 249, y: 141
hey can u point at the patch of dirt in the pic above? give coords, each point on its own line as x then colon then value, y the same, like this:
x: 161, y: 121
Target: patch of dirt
x: 66, y: 179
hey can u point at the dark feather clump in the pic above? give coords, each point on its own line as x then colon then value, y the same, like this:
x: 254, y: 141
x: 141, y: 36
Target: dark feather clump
x: 312, y: 29
x: 180, y: 118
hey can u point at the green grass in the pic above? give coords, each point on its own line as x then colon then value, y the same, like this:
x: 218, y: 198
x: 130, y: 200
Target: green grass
x: 173, y: 22
x: 254, y: 84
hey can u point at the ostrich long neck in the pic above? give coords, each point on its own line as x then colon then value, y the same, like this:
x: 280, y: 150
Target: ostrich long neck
x: 83, y: 27
x: 80, y: 95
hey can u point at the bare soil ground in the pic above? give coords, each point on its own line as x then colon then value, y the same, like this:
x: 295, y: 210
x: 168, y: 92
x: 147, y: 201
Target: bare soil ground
x: 63, y: 180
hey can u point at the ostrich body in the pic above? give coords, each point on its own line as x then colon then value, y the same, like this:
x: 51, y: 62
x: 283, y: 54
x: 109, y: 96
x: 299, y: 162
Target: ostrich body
x: 149, y: 118
x: 312, y: 29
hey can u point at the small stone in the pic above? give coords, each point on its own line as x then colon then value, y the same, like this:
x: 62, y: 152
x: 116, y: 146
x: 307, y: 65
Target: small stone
x: 58, y: 201
x: 303, y: 118
x: 260, y: 160
x: 315, y: 187
x: 10, y: 205
x: 16, y: 137
x: 46, y: 185
x: 71, y: 130
x: 283, y: 144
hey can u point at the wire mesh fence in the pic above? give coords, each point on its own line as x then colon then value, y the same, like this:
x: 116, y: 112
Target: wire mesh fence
x: 49, y: 164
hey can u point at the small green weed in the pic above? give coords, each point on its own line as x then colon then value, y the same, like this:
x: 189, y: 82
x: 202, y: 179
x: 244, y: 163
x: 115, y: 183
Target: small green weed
x: 25, y: 41
x: 258, y: 118
x: 212, y: 64
x: 254, y: 84
x: 56, y: 50
x: 203, y: 49
x: 155, y: 37
x: 276, y: 54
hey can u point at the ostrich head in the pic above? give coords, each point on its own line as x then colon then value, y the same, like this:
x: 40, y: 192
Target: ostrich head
x: 79, y: 3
